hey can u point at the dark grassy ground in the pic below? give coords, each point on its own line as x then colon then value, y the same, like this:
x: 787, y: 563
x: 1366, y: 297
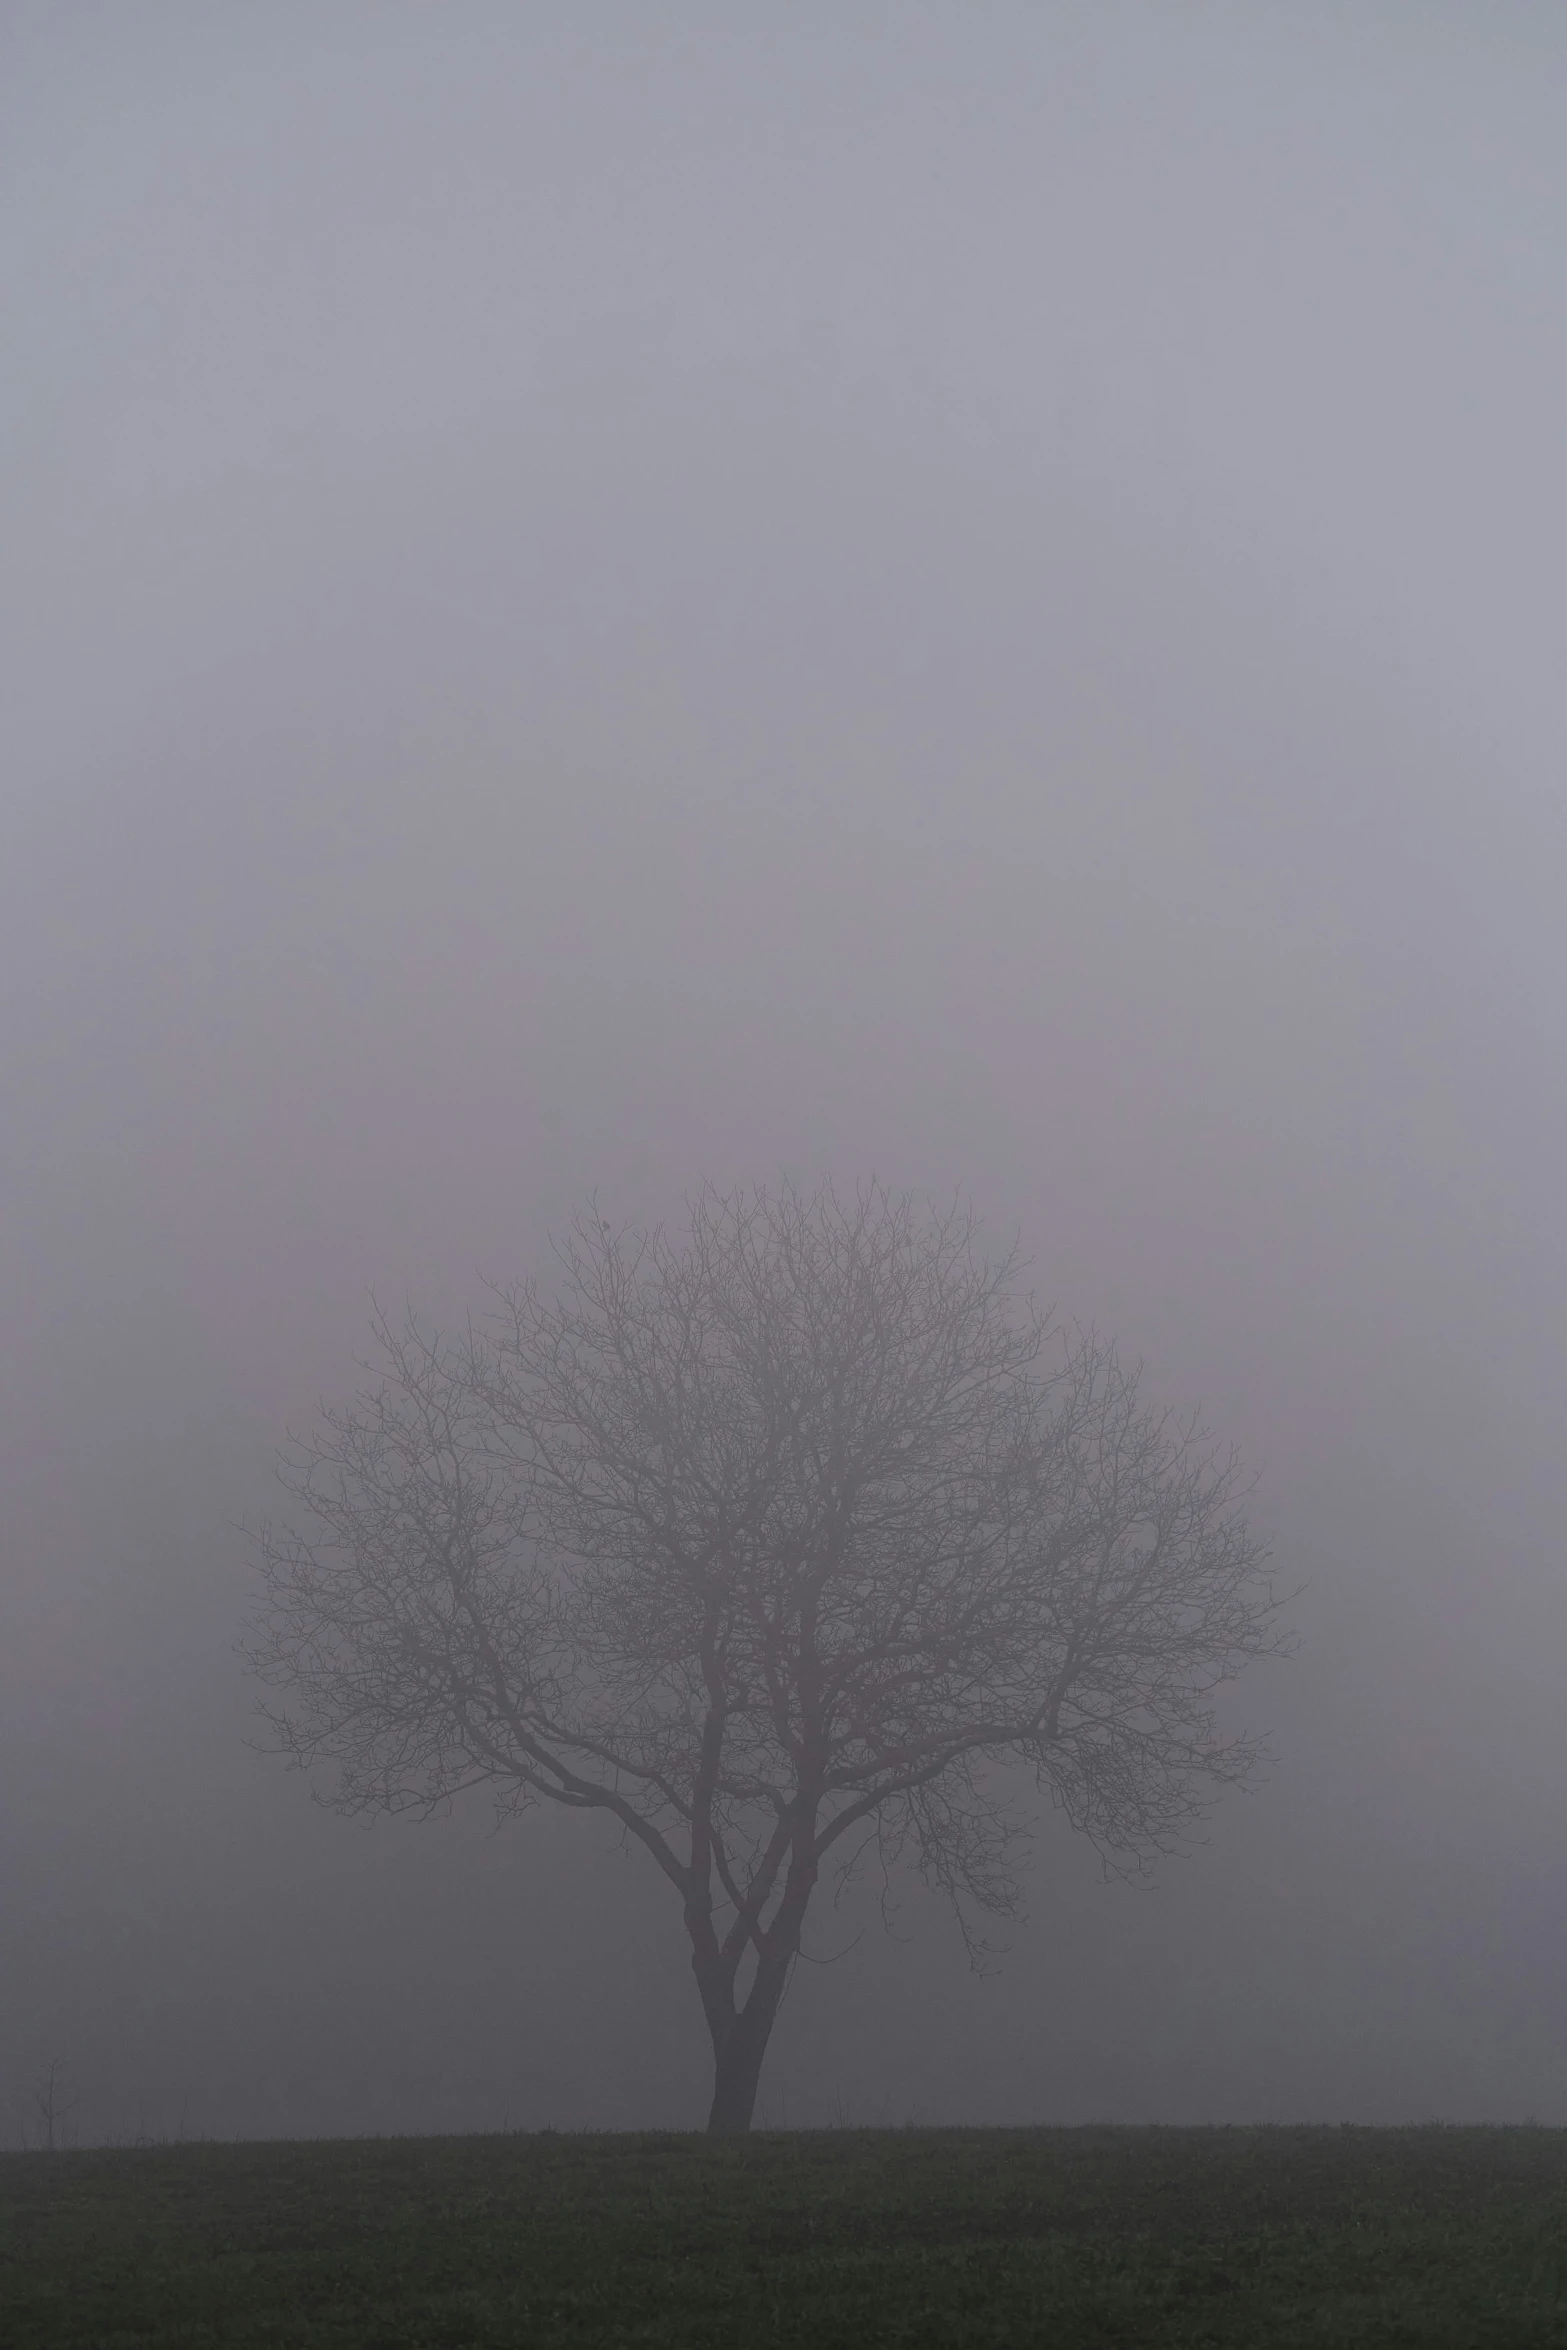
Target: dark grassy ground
x: 1051, y: 2238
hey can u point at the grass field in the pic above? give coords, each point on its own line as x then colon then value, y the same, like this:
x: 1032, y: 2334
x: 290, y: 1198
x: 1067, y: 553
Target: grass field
x: 1051, y: 2238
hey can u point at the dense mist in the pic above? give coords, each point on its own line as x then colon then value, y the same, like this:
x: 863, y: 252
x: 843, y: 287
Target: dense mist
x: 601, y: 598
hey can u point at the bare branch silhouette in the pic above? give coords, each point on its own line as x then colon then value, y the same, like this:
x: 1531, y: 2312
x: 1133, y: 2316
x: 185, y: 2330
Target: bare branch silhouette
x: 760, y: 1541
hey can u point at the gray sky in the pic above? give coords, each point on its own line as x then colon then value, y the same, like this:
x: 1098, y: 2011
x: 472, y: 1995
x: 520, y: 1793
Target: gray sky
x: 602, y: 595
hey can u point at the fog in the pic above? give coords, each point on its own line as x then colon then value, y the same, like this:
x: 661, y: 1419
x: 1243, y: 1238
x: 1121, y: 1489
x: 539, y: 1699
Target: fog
x: 597, y: 597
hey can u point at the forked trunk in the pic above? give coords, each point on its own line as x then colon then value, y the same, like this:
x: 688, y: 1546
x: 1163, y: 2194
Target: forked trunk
x: 738, y: 2049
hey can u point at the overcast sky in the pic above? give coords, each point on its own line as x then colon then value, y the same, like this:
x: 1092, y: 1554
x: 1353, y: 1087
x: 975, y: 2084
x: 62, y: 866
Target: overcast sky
x: 598, y: 596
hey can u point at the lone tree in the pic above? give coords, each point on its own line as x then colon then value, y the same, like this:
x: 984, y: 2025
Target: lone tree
x: 765, y: 1541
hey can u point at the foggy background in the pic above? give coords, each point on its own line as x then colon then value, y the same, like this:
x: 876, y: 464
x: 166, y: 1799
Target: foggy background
x: 597, y: 596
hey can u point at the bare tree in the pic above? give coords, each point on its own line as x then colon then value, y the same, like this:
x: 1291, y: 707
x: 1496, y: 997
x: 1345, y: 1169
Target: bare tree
x: 765, y: 1541
x: 50, y: 2109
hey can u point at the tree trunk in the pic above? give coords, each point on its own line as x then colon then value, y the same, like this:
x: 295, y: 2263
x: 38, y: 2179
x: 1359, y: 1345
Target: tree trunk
x: 738, y: 2052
